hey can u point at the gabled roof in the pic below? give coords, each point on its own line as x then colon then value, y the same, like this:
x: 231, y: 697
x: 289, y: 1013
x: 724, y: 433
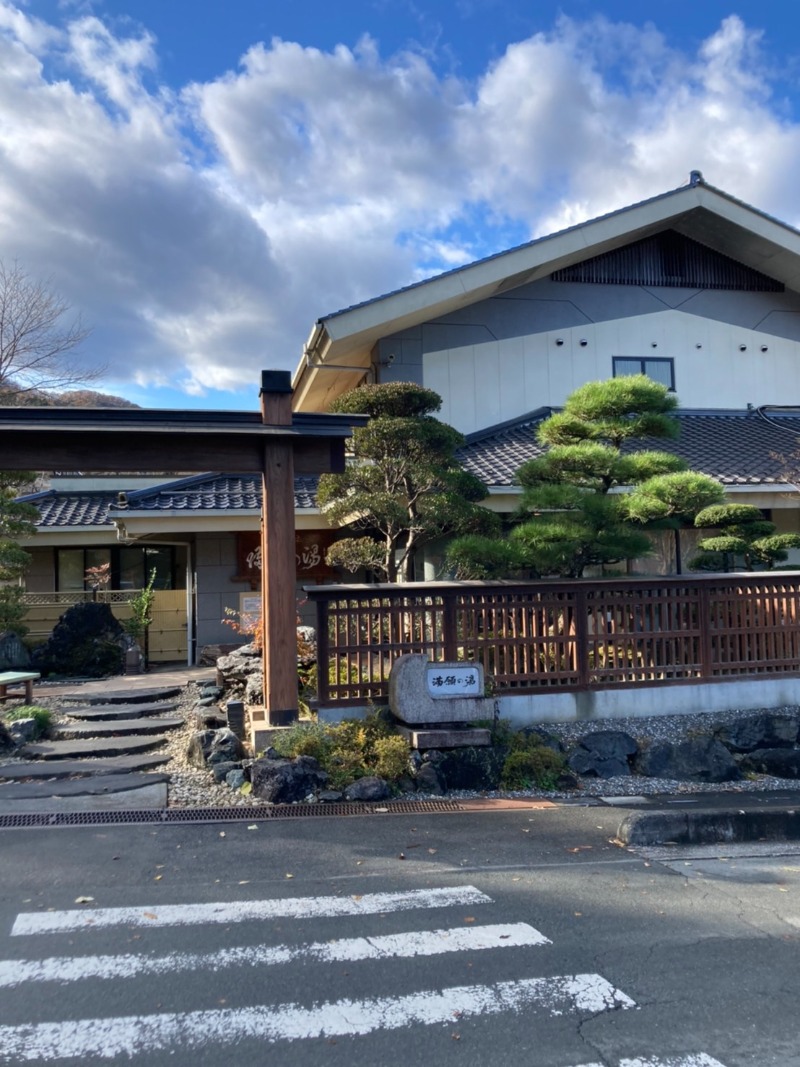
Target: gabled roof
x: 338, y: 352
x: 202, y: 493
x: 735, y: 447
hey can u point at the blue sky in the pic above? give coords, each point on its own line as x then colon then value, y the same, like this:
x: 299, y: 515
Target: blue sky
x: 203, y: 180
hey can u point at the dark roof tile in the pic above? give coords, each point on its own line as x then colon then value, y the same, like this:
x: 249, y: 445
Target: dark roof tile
x: 736, y: 447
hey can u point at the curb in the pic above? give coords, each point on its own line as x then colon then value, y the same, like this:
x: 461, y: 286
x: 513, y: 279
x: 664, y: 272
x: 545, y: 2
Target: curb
x: 710, y: 826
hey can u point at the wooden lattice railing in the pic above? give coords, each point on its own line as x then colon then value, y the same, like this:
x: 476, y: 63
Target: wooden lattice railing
x: 540, y: 636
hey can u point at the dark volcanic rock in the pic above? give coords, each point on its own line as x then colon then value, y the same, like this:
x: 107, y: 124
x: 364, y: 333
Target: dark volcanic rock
x: 282, y: 781
x: 700, y: 759
x: 779, y: 762
x: 368, y: 788
x: 768, y: 730
x: 604, y: 754
x: 472, y: 767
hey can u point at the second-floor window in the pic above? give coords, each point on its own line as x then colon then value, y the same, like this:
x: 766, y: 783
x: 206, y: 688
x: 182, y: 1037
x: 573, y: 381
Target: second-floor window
x: 660, y: 370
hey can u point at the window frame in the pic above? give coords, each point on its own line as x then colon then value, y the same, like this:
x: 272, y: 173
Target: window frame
x: 642, y: 361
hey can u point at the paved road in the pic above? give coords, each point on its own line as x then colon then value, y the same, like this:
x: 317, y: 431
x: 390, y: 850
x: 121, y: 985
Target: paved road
x: 519, y: 938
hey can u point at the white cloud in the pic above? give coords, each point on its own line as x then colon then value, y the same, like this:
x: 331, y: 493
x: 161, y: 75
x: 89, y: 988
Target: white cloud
x: 203, y: 228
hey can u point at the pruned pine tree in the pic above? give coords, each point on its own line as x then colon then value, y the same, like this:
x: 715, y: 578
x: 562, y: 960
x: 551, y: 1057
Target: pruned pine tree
x: 403, y: 487
x: 573, y: 512
x: 744, y: 538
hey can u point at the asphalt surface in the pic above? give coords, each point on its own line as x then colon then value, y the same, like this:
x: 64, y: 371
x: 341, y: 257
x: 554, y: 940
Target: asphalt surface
x: 693, y: 953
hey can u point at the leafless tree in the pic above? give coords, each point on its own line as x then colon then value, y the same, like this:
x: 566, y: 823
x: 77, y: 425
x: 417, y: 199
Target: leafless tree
x: 38, y: 339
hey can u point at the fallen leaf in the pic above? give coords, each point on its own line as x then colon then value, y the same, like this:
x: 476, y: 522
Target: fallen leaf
x: 158, y: 877
x: 246, y: 882
x: 253, y: 827
x: 246, y: 788
x: 289, y: 875
x: 433, y: 851
x: 577, y: 914
x: 517, y: 879
x: 150, y: 915
x: 381, y: 811
x: 222, y: 833
x: 469, y: 919
x: 80, y: 900
x: 402, y: 856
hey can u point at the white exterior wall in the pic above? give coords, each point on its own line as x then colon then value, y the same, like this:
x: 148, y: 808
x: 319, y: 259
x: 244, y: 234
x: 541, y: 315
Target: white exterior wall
x: 501, y: 359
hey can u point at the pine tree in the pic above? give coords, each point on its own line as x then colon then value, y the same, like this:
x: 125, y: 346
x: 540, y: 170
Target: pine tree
x: 404, y: 486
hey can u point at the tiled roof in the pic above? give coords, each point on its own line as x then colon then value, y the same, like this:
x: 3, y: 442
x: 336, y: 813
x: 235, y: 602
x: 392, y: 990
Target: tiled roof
x: 200, y: 493
x: 736, y: 447
x: 72, y: 509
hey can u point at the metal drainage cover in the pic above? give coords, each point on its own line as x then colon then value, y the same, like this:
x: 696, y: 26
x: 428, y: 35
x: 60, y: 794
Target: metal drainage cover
x: 165, y: 816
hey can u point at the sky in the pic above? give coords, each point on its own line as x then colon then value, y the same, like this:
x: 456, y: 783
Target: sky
x: 202, y: 180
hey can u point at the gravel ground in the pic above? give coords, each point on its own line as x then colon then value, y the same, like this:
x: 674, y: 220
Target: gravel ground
x: 193, y: 787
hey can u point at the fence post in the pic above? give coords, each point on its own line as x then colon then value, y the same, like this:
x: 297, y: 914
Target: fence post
x: 704, y: 623
x: 323, y: 652
x: 449, y: 627
x: 582, y: 635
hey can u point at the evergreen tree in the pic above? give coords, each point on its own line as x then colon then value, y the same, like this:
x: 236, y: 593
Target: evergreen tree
x: 572, y: 516
x: 403, y: 487
x: 745, y: 538
x: 16, y: 520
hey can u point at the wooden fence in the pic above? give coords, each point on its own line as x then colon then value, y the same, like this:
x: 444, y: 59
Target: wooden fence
x: 551, y: 635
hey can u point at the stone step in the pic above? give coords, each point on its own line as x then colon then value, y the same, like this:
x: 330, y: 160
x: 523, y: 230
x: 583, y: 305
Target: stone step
x: 145, y: 798
x: 65, y: 768
x: 123, y: 696
x: 119, y: 728
x: 108, y: 712
x: 91, y: 747
x: 93, y: 785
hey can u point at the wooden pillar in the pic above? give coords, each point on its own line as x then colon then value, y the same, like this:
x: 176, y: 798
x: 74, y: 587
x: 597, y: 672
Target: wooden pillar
x: 278, y: 607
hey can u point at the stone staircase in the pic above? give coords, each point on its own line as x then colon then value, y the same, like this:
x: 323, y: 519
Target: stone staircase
x: 104, y: 759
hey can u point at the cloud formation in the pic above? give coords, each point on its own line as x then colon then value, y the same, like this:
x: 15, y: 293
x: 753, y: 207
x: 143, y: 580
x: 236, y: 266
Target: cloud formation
x: 203, y: 228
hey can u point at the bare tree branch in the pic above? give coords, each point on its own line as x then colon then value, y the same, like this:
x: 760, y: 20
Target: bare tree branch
x: 37, y: 339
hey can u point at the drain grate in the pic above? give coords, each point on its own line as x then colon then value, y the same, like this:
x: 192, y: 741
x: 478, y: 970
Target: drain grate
x: 165, y: 816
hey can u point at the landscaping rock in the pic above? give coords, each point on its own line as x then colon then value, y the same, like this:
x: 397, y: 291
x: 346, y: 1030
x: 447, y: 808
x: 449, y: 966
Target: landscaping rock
x: 225, y: 747
x: 762, y: 731
x: 428, y: 780
x: 222, y: 769
x: 6, y: 740
x: 207, y: 747
x: 199, y: 745
x: 471, y: 768
x: 779, y: 762
x: 14, y: 655
x: 86, y: 642
x: 283, y: 781
x: 329, y: 796
x: 23, y: 730
x: 369, y: 788
x: 699, y: 759
x: 209, y: 720
x: 235, y: 778
x: 603, y: 754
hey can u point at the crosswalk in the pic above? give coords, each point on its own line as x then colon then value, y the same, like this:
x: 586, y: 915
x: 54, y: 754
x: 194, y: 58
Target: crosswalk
x: 144, y: 1034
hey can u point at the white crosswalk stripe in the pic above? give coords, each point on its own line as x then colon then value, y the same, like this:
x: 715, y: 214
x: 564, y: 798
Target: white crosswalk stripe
x: 418, y: 943
x: 107, y: 1038
x: 144, y: 1035
x: 228, y: 912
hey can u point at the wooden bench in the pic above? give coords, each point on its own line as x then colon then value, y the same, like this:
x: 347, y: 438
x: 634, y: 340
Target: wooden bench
x: 16, y: 678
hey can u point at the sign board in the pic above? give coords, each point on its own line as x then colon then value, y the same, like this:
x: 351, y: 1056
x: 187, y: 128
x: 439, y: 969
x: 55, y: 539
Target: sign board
x: 310, y: 548
x: 454, y: 680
